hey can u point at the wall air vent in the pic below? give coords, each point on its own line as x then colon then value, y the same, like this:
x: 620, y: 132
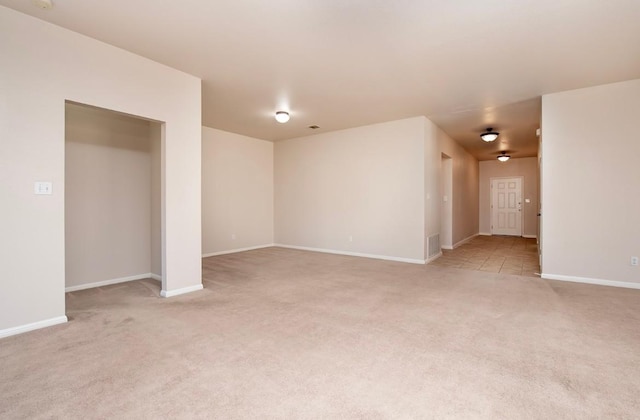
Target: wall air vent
x: 433, y: 245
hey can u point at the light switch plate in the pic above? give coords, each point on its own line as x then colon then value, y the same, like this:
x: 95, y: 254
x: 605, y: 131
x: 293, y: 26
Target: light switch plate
x: 43, y: 188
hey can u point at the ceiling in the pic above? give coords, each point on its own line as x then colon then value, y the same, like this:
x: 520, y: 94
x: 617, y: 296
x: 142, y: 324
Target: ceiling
x: 465, y: 64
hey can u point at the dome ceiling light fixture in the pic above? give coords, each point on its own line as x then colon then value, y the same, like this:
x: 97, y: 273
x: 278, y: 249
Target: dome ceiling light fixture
x: 282, y: 117
x: 489, y: 135
x: 503, y: 157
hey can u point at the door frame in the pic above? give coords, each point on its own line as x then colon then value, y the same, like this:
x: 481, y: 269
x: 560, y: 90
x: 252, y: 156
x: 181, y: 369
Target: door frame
x: 491, y: 179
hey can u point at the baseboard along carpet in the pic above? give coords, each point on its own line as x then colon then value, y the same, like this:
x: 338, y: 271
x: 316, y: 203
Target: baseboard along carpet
x: 283, y: 334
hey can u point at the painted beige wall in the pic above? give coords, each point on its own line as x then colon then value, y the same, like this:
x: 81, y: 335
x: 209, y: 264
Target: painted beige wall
x: 107, y: 196
x: 237, y: 191
x: 525, y: 167
x: 42, y: 66
x: 432, y: 182
x: 365, y: 182
x: 590, y: 174
x: 155, y: 134
x: 465, y: 188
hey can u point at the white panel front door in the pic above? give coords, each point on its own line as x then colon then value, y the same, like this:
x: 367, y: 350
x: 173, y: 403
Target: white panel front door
x: 506, y: 206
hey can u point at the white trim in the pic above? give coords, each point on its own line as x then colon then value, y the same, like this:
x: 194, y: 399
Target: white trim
x: 485, y: 234
x: 530, y: 236
x: 156, y: 277
x: 33, y: 326
x: 588, y: 280
x: 435, y: 257
x: 233, y: 251
x: 108, y: 282
x: 464, y: 241
x: 447, y: 247
x: 176, y: 292
x: 353, y: 254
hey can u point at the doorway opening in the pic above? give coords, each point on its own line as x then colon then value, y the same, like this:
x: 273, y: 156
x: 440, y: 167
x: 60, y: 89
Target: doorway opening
x: 506, y: 206
x: 112, y: 197
x: 446, y: 210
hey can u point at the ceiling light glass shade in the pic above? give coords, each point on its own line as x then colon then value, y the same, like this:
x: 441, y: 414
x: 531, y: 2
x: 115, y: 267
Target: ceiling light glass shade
x: 282, y: 116
x: 503, y: 157
x: 490, y: 135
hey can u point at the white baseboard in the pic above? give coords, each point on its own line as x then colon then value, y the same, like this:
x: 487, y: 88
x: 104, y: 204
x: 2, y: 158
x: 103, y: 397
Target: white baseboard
x: 435, y: 257
x: 447, y: 247
x: 108, y: 282
x: 465, y: 240
x: 233, y: 251
x: 33, y: 326
x: 176, y: 292
x: 485, y: 234
x: 156, y: 277
x: 601, y: 282
x: 352, y: 254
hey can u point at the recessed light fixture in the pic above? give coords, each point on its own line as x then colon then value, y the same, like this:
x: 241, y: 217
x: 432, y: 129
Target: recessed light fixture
x: 43, y: 4
x: 489, y: 135
x: 503, y: 157
x: 282, y: 116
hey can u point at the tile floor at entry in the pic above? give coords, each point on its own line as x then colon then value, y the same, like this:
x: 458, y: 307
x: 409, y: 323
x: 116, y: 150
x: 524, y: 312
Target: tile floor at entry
x: 495, y: 254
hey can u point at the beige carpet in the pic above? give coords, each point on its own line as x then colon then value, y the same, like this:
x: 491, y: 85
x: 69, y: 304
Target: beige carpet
x: 298, y: 335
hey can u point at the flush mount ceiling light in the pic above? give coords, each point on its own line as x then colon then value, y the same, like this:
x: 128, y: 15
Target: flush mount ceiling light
x: 503, y: 157
x: 282, y: 117
x: 43, y: 4
x: 489, y: 135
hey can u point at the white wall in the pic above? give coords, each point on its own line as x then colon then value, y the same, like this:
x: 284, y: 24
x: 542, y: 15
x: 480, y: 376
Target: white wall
x: 42, y: 66
x: 432, y: 181
x: 366, y: 183
x: 465, y: 187
x: 237, y: 191
x: 155, y: 133
x: 107, y: 196
x: 525, y: 167
x: 590, y: 174
x: 446, y: 209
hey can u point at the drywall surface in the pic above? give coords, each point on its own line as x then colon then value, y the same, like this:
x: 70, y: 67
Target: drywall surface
x: 359, y: 190
x: 524, y: 167
x: 590, y: 174
x: 107, y: 196
x: 465, y: 188
x: 155, y: 140
x: 432, y: 181
x: 237, y: 191
x: 43, y: 65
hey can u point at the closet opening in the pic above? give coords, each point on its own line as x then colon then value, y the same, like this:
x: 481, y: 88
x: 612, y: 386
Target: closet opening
x: 112, y: 193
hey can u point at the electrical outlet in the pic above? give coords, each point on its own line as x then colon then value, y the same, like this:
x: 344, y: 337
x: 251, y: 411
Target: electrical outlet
x: 233, y: 236
x: 350, y: 238
x: 634, y: 260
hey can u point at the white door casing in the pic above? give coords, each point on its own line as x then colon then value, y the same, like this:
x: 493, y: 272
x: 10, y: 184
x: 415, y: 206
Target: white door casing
x: 506, y: 206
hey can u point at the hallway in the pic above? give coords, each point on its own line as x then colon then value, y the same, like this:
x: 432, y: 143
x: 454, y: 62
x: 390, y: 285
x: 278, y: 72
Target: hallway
x: 494, y: 254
